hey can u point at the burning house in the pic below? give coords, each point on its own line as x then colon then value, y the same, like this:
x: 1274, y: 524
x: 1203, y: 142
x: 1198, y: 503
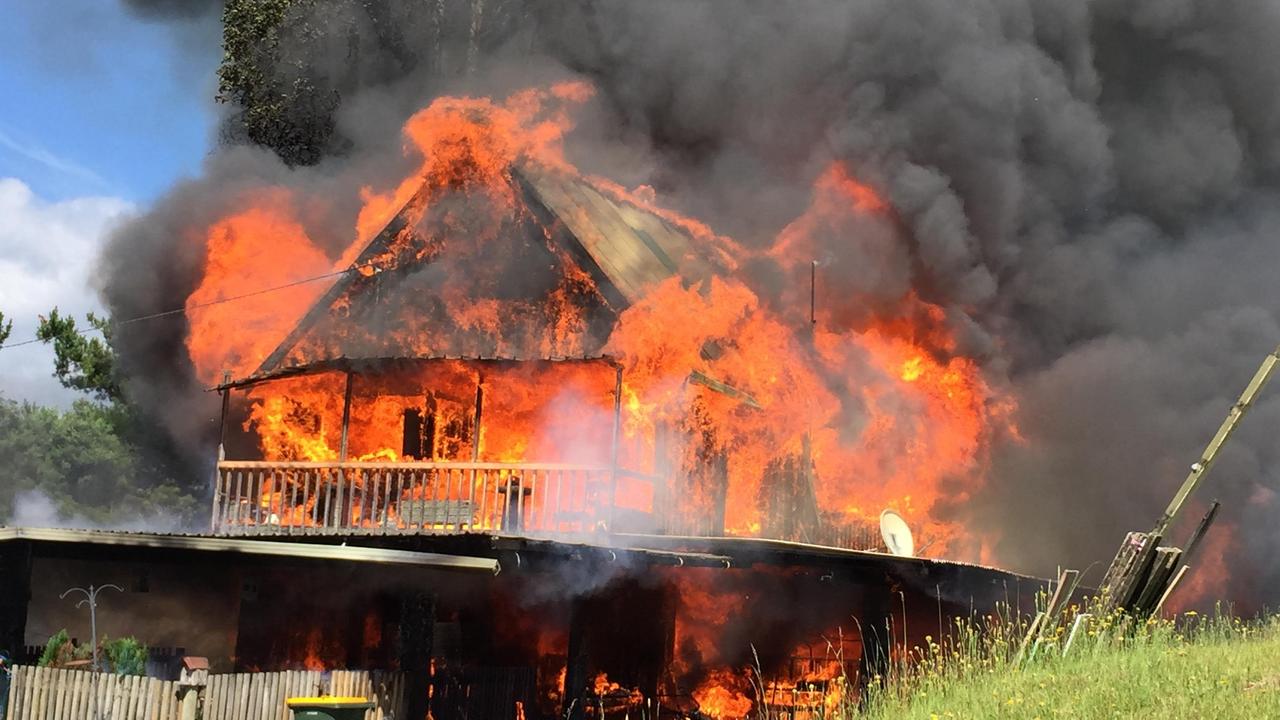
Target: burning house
x: 538, y: 443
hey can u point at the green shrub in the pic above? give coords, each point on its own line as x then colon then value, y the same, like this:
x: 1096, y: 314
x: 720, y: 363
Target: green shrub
x: 53, y: 648
x: 58, y: 650
x: 125, y: 656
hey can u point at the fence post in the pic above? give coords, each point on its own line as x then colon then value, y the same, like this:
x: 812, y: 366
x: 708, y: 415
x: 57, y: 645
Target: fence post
x: 191, y: 684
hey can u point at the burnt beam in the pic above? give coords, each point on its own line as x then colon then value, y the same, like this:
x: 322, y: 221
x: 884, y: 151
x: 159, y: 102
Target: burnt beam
x: 413, y: 650
x: 575, y: 674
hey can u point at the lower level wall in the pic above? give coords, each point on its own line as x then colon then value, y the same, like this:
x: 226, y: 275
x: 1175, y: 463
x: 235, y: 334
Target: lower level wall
x: 177, y: 604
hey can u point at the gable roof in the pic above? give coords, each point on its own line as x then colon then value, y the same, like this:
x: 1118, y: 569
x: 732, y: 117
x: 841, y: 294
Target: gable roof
x: 625, y: 250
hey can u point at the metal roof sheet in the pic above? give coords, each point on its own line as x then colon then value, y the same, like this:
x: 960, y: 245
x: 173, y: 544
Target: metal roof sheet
x: 206, y: 543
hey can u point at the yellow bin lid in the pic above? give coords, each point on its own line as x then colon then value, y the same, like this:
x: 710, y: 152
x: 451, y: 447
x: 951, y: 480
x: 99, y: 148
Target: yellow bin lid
x: 328, y: 701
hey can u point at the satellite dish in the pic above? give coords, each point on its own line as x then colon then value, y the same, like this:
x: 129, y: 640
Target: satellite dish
x: 897, y: 536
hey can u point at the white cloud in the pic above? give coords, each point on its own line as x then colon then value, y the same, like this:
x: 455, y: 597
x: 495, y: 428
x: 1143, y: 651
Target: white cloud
x: 47, y: 254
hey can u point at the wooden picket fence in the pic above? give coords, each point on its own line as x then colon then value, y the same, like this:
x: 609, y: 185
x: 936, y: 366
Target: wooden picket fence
x: 37, y: 693
x: 41, y: 693
x: 261, y: 696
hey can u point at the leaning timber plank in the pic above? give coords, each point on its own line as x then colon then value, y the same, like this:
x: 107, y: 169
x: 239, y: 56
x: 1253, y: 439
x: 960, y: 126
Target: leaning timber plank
x: 1173, y: 584
x: 1162, y: 568
x: 1032, y: 632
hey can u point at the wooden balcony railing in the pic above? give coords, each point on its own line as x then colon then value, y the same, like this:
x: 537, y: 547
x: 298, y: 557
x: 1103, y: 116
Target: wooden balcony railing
x: 282, y: 498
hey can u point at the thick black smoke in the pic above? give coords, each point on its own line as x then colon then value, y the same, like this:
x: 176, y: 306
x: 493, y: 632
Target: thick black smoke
x: 1088, y: 188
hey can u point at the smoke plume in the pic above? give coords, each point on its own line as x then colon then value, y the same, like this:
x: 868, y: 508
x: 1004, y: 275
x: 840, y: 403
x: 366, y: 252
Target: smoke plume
x: 1087, y: 189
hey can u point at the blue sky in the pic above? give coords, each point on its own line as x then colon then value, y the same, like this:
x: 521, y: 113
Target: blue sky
x: 100, y: 113
x: 94, y: 101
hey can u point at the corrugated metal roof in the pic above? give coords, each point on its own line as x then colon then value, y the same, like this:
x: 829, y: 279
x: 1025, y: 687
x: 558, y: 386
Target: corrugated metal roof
x: 206, y: 543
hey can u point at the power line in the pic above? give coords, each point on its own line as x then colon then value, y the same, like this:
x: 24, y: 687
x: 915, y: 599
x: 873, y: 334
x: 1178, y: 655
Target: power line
x: 183, y: 310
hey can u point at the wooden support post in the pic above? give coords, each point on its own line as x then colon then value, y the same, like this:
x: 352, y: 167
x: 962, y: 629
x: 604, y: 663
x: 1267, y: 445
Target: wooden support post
x: 346, y: 418
x: 575, y: 672
x: 218, y: 498
x: 476, y: 426
x: 613, y: 456
x: 414, y: 646
x: 476, y: 419
x: 226, y: 406
x: 340, y: 515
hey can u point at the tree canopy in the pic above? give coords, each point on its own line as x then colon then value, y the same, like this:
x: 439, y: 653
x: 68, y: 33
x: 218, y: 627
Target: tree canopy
x: 99, y: 461
x: 82, y: 360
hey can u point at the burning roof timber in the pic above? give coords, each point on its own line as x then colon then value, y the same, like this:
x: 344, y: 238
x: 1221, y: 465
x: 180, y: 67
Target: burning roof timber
x: 562, y: 227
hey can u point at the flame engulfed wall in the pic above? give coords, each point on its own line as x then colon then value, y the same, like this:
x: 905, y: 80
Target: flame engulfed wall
x: 874, y: 399
x: 699, y: 642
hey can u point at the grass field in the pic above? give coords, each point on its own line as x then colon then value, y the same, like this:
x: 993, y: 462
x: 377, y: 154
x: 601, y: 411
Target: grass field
x: 1199, y: 668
